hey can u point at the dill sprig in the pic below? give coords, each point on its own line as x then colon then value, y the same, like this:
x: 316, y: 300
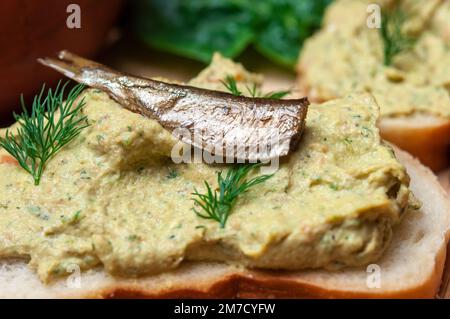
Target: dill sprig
x: 276, y: 95
x: 218, y: 204
x: 44, y: 131
x: 231, y: 85
x: 394, y: 38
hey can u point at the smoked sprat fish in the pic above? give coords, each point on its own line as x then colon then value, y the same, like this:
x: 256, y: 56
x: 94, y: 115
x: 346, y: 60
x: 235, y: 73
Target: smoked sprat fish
x: 238, y: 127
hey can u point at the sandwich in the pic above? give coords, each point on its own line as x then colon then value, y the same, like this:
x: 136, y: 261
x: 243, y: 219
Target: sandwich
x: 111, y: 213
x: 399, y: 52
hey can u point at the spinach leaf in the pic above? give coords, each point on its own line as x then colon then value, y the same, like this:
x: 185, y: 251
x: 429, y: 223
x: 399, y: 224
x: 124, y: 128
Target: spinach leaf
x: 285, y: 25
x: 196, y: 29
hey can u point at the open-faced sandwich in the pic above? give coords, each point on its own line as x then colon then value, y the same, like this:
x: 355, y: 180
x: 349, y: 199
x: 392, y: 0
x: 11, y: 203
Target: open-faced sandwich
x: 109, y: 213
x: 400, y: 53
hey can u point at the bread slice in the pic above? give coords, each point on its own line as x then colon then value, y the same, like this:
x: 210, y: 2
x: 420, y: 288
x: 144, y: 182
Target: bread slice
x: 411, y: 267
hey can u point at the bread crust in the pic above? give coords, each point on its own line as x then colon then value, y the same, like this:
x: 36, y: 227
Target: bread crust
x: 444, y: 179
x: 258, y: 284
x: 269, y: 286
x: 430, y: 143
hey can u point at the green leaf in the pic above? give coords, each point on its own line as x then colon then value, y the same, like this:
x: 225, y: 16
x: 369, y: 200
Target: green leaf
x: 52, y: 124
x: 284, y: 29
x: 197, y: 29
x: 230, y: 84
x: 218, y: 204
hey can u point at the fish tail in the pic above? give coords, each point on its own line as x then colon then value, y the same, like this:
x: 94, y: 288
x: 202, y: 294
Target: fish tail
x: 80, y: 69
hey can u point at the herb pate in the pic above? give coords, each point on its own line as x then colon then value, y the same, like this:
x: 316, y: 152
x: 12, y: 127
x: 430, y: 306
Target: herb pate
x: 348, y: 56
x: 113, y: 198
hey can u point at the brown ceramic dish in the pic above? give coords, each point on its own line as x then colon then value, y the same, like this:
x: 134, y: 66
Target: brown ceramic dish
x: 32, y: 29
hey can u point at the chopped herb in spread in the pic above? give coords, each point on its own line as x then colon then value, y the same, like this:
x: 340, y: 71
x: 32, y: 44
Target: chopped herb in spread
x: 38, y: 212
x: 172, y: 174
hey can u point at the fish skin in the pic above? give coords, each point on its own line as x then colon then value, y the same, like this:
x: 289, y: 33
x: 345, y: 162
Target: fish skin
x: 263, y: 128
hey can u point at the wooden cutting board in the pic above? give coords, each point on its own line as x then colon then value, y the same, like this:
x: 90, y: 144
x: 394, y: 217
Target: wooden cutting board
x: 135, y: 59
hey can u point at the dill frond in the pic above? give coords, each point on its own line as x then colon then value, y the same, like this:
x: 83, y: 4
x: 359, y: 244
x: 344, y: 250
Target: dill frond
x: 394, y: 38
x: 218, y: 204
x: 44, y: 131
x: 231, y: 85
